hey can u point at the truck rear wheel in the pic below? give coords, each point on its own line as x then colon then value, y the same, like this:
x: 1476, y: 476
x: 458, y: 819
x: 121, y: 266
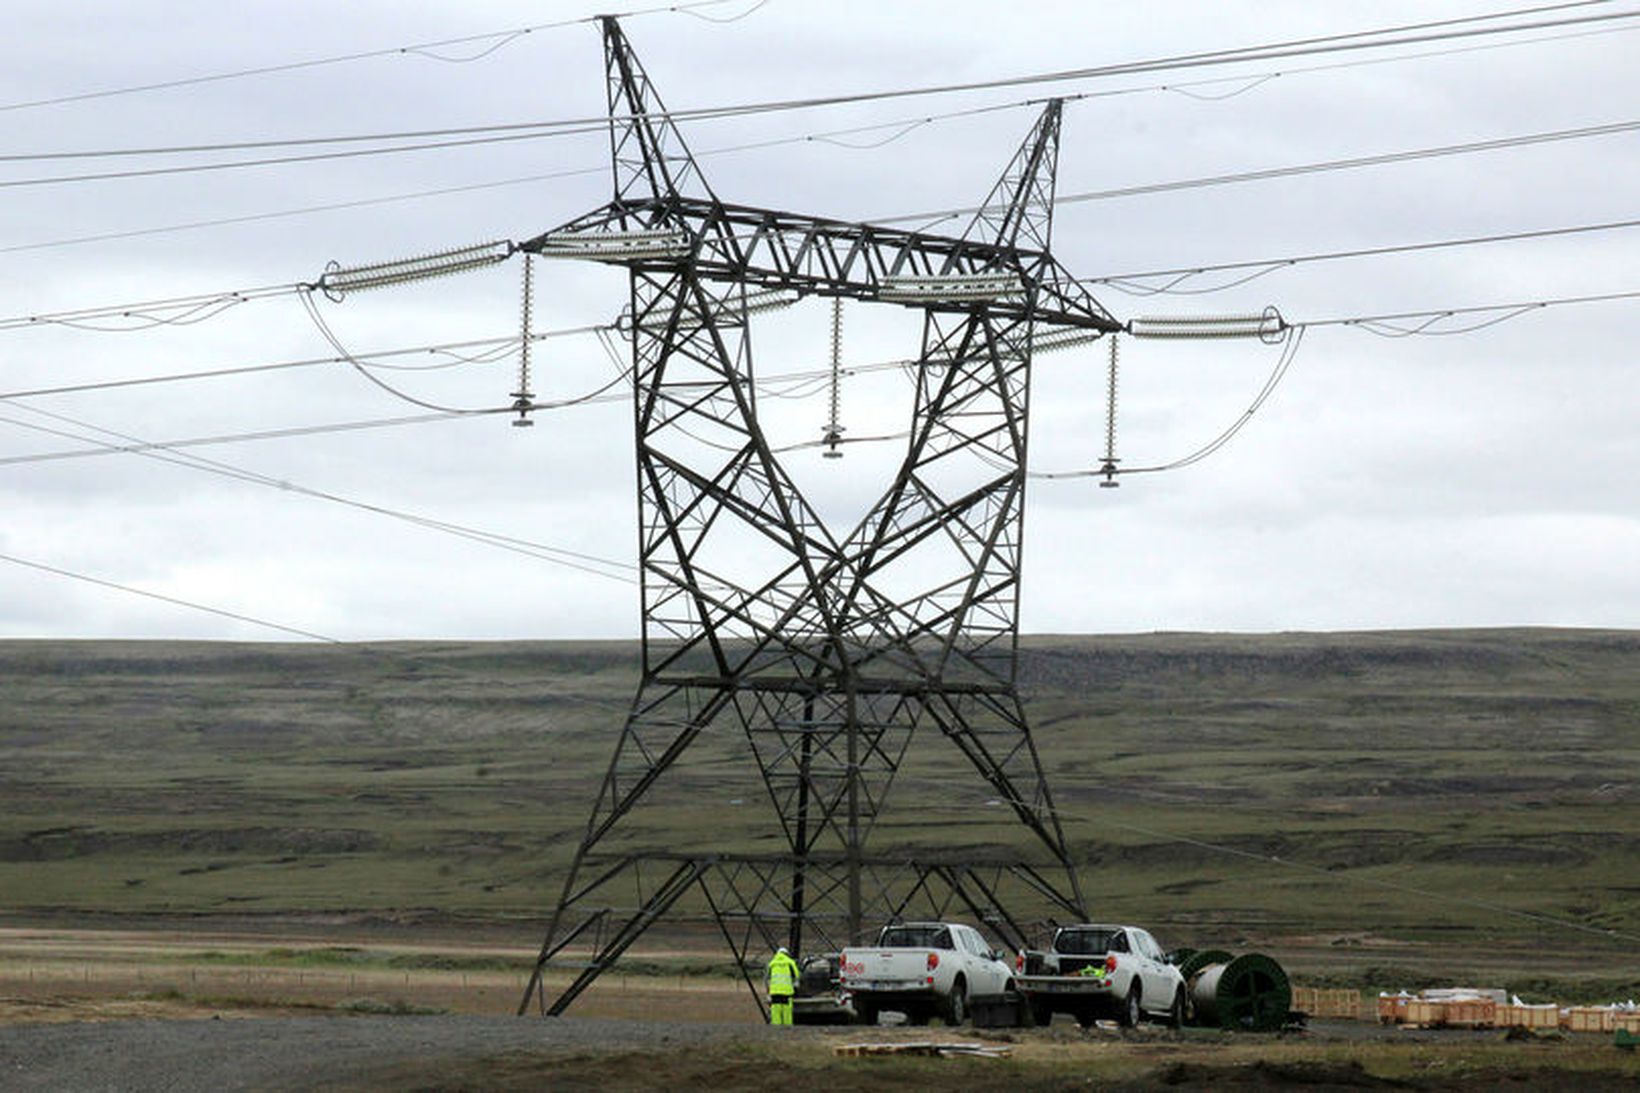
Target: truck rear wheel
x: 1130, y: 1009
x: 956, y: 1006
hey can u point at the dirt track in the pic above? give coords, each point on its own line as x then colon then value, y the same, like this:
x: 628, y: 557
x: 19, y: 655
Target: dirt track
x: 470, y: 1052
x: 315, y: 1052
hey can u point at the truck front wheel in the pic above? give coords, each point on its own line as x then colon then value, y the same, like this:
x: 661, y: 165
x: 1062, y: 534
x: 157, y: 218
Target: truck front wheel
x: 1175, y: 1014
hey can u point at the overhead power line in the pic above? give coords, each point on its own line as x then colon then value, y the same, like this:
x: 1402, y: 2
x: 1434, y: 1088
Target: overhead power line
x: 313, y: 157
x: 173, y: 600
x: 497, y: 39
x: 393, y: 653
x: 1172, y: 278
x: 898, y: 129
x: 1409, y: 155
x: 236, y: 438
x: 775, y: 385
x: 1391, y: 324
x: 582, y: 124
x: 1371, y: 39
x: 171, y: 311
x: 446, y: 348
x: 499, y: 130
x: 1383, y: 323
x: 586, y: 563
x: 1372, y: 323
x: 188, y: 309
x: 306, y: 210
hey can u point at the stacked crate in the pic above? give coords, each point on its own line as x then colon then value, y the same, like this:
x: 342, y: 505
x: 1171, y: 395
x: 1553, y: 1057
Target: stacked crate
x: 1590, y: 1019
x: 1392, y: 1008
x: 1425, y: 1012
x: 1470, y: 1013
x: 1530, y: 1017
x: 1460, y: 1009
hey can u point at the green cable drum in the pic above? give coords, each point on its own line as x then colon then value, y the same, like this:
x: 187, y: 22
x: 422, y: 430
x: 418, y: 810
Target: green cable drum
x: 1250, y: 993
x: 1201, y: 958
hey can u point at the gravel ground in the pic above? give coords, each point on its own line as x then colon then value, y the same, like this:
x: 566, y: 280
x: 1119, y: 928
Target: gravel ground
x: 464, y: 1052
x: 308, y: 1052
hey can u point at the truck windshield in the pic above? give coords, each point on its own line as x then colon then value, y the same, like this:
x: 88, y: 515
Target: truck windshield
x: 915, y: 937
x: 1084, y: 942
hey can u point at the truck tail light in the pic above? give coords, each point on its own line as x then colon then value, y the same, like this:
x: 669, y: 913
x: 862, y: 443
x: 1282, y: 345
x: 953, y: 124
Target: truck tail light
x: 1019, y: 964
x: 1110, y: 964
x: 933, y: 961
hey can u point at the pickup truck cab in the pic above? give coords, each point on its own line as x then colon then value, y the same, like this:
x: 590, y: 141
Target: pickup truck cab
x: 921, y: 969
x: 1093, y: 970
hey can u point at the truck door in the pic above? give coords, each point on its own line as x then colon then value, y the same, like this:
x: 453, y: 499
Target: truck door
x: 996, y: 972
x: 1159, y: 985
x: 982, y: 977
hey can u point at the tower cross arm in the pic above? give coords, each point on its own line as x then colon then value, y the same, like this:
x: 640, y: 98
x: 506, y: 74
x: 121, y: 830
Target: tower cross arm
x: 765, y: 248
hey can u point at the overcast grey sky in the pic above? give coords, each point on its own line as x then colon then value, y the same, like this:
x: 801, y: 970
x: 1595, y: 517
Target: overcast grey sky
x: 1480, y: 479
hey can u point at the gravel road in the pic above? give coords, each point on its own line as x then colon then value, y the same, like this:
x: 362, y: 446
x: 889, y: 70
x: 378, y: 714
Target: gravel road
x: 309, y: 1052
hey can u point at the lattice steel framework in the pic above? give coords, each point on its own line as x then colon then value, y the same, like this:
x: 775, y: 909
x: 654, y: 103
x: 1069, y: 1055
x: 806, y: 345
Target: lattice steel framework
x: 827, y: 651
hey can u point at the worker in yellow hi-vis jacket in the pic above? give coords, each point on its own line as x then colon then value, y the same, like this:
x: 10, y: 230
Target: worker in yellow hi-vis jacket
x: 783, y: 975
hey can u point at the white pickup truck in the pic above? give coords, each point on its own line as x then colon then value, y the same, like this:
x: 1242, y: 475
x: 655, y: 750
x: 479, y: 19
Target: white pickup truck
x: 1093, y: 971
x: 921, y: 969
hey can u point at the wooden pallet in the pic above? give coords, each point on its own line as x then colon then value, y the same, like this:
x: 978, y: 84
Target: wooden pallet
x: 932, y: 1048
x: 1327, y: 1002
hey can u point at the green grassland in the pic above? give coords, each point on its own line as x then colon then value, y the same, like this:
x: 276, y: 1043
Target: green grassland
x: 1346, y: 786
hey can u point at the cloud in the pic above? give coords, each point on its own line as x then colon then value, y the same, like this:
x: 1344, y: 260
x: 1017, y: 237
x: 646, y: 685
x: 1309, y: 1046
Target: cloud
x: 1481, y: 479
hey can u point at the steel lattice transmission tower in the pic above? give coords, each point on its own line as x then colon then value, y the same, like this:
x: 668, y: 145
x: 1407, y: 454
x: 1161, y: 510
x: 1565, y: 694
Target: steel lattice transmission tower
x: 827, y: 651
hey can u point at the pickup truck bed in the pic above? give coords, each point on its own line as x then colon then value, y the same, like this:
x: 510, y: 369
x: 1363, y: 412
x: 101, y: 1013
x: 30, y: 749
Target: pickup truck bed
x: 922, y: 970
x: 1093, y: 972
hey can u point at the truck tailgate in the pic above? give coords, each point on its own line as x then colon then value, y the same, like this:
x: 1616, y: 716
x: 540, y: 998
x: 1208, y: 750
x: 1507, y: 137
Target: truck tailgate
x: 885, y: 969
x: 1061, y: 984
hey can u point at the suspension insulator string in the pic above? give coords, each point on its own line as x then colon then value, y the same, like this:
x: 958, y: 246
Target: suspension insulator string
x: 833, y: 433
x: 523, y: 399
x: 1108, y: 468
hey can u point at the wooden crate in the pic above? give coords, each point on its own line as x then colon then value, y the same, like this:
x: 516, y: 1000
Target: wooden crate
x: 1471, y: 1012
x: 1330, y: 1003
x: 1547, y: 1016
x: 1392, y: 1008
x: 1626, y: 1020
x: 1421, y: 1011
x: 1590, y: 1019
